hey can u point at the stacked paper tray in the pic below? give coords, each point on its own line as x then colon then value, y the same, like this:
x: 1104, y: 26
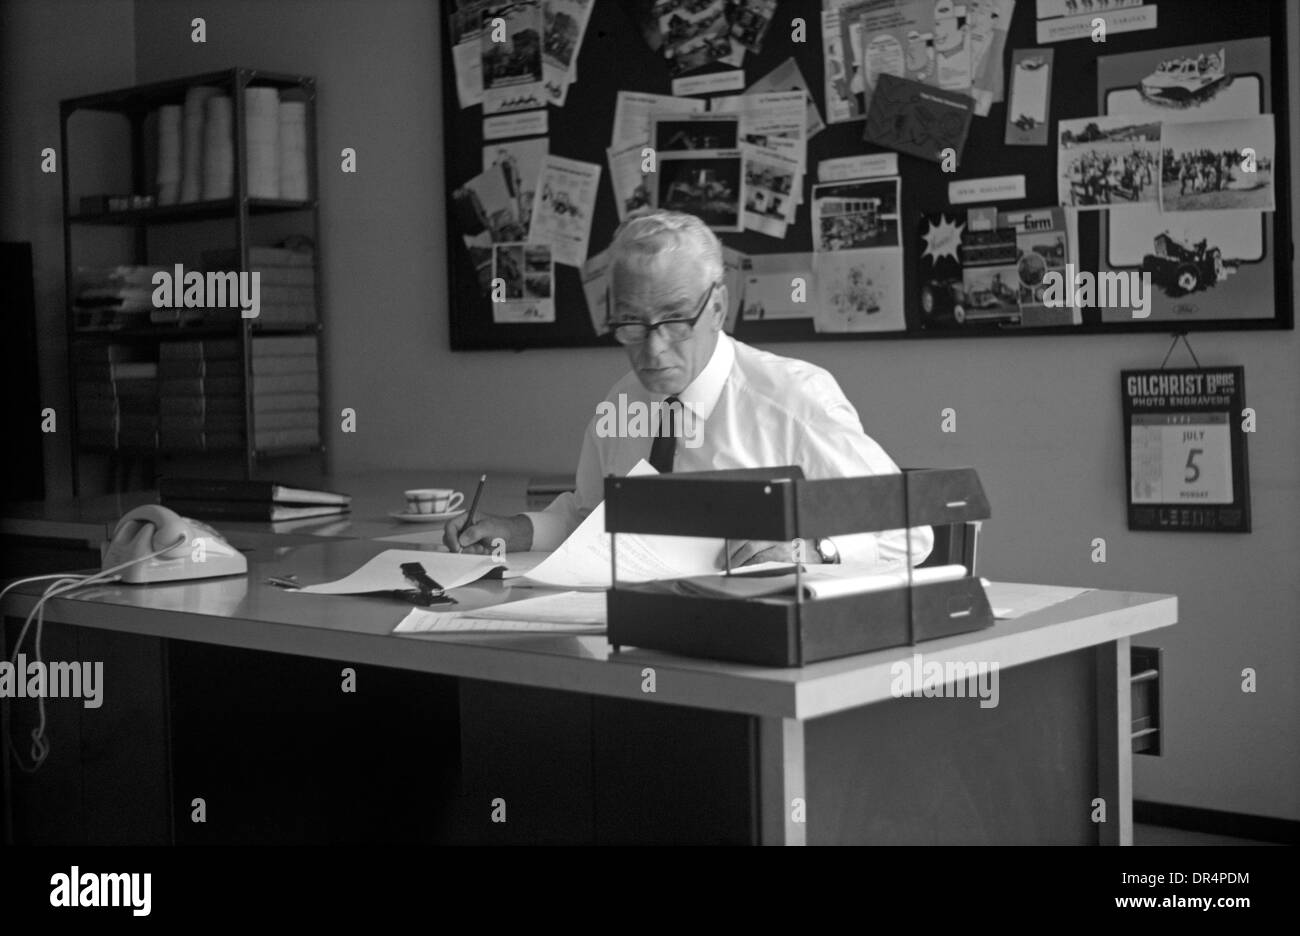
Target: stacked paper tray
x: 778, y: 504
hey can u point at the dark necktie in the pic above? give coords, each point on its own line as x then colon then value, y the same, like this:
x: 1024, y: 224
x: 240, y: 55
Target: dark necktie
x: 665, y: 444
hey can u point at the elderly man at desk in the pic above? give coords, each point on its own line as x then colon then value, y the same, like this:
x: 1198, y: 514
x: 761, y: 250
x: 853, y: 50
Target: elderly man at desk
x: 722, y: 404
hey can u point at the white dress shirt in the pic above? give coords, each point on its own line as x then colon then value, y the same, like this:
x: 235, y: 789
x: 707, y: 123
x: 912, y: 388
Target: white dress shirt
x: 755, y: 409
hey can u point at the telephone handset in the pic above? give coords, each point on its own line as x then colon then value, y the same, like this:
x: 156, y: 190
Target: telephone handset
x: 191, y: 549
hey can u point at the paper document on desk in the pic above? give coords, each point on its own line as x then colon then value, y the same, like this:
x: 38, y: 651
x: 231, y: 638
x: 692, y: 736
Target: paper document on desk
x: 384, y: 572
x: 567, y: 612
x: 1012, y: 600
x: 582, y: 560
x: 819, y: 581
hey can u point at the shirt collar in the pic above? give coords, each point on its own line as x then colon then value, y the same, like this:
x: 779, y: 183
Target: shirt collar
x: 704, y: 391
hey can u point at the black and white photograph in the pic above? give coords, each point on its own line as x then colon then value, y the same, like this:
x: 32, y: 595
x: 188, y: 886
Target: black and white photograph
x: 710, y: 186
x: 685, y: 132
x: 1222, y: 165
x: 520, y: 424
x: 1108, y: 162
x: 855, y: 215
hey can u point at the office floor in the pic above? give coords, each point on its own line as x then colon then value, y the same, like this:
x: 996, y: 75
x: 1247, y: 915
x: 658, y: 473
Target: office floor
x: 1162, y: 835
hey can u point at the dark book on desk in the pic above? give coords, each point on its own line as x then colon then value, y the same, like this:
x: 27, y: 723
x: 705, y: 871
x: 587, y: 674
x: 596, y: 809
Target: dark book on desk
x: 250, y: 510
x: 257, y: 492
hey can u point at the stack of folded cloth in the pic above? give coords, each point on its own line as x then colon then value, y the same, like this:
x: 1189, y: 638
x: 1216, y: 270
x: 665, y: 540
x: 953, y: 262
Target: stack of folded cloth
x: 286, y: 392
x: 287, y: 281
x: 113, y: 297
x: 201, y: 391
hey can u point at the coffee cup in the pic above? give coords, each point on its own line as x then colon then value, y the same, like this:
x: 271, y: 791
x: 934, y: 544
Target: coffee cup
x: 433, y: 500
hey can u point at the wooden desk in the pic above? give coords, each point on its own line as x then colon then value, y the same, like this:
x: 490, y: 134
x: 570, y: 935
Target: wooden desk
x: 830, y: 734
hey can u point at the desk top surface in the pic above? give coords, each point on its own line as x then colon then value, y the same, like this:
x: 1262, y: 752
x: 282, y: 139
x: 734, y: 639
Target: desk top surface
x: 374, y: 494
x: 246, y: 612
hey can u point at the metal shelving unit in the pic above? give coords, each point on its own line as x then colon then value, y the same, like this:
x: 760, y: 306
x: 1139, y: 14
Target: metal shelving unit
x: 135, y: 105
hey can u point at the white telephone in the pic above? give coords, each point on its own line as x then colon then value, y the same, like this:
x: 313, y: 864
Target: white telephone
x: 192, y: 549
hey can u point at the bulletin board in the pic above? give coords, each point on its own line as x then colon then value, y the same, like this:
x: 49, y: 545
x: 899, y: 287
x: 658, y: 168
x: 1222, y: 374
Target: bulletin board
x: 613, y: 56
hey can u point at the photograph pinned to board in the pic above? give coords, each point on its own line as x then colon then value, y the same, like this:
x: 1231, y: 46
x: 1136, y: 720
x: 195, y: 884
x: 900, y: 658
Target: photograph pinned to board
x: 859, y: 290
x: 1204, y: 265
x: 778, y: 286
x: 512, y: 69
x: 562, y: 214
x: 856, y: 214
x: 565, y: 24
x: 1030, y: 108
x: 966, y: 278
x: 520, y: 162
x: 634, y: 110
x: 465, y: 30
x: 750, y: 20
x: 525, y: 276
x: 673, y: 133
x: 1220, y: 165
x: 690, y: 34
x: 707, y: 183
x: 699, y: 168
x: 770, y: 183
x: 1108, y: 162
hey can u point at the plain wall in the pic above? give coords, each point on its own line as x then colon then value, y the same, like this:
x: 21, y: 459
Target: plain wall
x: 1039, y: 417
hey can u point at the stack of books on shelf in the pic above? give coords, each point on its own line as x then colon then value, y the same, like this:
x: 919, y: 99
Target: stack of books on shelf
x: 287, y: 278
x: 201, y: 395
x: 208, y: 499
x: 286, y: 398
x: 117, y: 397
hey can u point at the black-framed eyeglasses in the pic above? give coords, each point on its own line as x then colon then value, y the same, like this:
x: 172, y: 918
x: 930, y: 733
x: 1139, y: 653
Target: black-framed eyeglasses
x: 674, y: 329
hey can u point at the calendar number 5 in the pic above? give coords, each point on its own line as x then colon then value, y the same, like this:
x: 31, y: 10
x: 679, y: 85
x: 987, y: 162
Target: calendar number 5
x: 1193, y: 470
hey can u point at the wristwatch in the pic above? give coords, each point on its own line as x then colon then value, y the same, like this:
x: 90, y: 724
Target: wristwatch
x: 827, y: 551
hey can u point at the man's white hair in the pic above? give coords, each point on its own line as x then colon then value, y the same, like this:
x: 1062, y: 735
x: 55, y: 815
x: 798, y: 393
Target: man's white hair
x: 648, y: 232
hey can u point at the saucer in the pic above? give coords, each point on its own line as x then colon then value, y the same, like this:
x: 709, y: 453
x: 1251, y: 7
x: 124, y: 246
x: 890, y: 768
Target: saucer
x: 408, y: 517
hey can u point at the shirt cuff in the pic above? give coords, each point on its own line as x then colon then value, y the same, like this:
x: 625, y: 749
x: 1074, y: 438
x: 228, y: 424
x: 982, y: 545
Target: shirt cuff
x: 549, y: 529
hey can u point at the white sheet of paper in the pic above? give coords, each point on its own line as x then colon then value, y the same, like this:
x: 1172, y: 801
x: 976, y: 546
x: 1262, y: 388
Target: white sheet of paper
x: 582, y: 560
x: 1012, y: 600
x: 632, y: 110
x: 562, y: 212
x: 565, y: 612
x: 384, y: 573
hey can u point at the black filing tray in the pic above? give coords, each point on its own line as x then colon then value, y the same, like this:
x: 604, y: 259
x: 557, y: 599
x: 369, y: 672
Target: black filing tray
x: 779, y: 504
